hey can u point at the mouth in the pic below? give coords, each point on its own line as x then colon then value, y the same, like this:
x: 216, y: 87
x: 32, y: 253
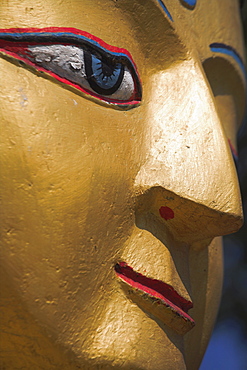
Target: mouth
x: 156, y: 298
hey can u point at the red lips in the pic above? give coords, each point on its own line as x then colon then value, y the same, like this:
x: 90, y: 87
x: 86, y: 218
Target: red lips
x: 162, y: 293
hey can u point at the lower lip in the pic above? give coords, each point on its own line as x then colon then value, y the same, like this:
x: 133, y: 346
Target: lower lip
x: 156, y: 298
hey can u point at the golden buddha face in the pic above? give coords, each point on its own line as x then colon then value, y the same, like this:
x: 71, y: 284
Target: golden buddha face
x: 118, y: 120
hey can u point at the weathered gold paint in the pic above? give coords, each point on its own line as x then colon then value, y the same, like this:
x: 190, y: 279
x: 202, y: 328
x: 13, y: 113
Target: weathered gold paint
x: 82, y: 184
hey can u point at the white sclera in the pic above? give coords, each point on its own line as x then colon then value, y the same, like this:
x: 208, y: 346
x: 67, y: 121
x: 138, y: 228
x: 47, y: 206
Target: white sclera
x: 68, y: 62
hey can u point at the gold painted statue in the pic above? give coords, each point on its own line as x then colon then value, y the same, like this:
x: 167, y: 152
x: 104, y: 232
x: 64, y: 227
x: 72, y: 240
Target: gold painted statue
x: 118, y: 126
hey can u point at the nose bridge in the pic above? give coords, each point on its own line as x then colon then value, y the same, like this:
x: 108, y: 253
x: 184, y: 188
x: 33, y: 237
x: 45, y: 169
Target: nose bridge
x: 188, y: 151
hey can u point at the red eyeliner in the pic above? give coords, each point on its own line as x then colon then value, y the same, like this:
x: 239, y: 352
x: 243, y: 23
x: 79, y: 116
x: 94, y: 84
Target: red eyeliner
x: 14, y: 42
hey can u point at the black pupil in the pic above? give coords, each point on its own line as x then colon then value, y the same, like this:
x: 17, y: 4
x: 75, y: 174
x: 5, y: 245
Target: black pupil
x: 107, y: 69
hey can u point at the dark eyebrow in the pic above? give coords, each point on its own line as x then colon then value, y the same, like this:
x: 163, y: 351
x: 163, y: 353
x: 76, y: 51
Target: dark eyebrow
x: 228, y: 50
x: 165, y: 10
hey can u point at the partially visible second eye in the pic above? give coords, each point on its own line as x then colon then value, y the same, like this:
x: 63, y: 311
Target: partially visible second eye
x: 107, y: 75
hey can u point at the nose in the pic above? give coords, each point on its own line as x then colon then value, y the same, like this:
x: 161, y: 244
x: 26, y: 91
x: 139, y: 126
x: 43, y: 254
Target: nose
x: 188, y: 182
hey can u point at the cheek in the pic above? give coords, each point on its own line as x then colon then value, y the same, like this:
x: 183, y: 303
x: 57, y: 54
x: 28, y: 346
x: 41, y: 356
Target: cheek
x: 65, y: 150
x: 68, y: 175
x: 65, y: 219
x: 67, y: 191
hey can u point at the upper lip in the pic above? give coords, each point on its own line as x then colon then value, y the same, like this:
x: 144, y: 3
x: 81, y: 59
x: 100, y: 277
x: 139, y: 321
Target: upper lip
x: 158, y: 298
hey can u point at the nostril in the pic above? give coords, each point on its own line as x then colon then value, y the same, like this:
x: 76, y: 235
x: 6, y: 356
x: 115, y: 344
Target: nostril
x: 166, y: 213
x: 170, y: 216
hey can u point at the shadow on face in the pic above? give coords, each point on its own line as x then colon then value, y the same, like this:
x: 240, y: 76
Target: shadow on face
x: 115, y: 149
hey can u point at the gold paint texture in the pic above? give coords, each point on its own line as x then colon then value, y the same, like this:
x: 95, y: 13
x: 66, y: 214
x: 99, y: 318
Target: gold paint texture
x: 83, y: 182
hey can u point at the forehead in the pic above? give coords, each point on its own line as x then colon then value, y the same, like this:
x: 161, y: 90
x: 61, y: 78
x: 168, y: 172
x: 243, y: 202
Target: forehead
x: 222, y: 16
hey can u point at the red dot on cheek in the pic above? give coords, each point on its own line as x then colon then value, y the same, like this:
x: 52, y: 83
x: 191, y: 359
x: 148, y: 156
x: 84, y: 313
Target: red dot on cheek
x: 166, y: 213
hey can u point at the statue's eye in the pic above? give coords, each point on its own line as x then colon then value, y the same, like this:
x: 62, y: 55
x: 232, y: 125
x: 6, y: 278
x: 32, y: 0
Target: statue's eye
x: 77, y: 61
x: 104, y: 75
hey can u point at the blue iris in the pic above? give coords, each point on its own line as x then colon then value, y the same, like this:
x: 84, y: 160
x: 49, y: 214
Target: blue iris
x: 106, y: 75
